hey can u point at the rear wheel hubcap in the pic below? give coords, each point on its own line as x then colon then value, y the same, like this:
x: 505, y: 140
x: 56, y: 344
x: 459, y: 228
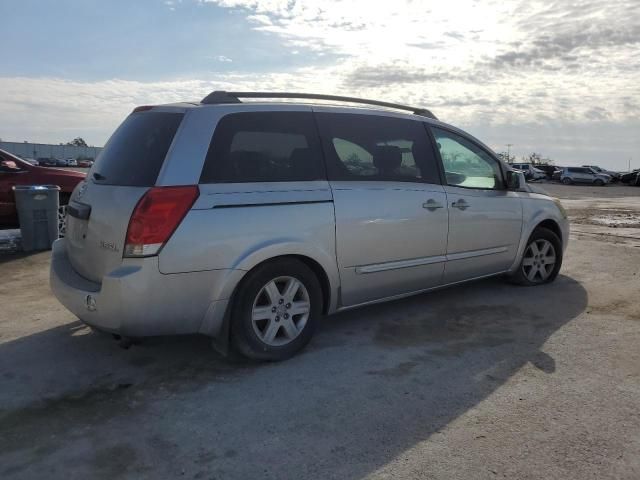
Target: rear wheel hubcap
x: 280, y: 311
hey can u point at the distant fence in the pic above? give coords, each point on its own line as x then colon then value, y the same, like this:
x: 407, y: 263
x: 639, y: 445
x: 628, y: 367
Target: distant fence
x: 44, y: 150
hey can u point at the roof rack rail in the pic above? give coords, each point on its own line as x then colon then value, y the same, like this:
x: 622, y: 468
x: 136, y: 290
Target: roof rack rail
x: 221, y: 96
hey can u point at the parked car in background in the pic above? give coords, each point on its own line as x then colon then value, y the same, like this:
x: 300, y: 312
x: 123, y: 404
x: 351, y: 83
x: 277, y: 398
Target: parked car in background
x: 253, y: 220
x: 61, y: 162
x: 557, y: 173
x: 530, y: 171
x: 85, y: 162
x: 30, y: 160
x: 46, y: 162
x: 569, y: 175
x: 72, y: 162
x: 631, y: 178
x: 615, y: 176
x: 15, y: 171
x: 548, y: 170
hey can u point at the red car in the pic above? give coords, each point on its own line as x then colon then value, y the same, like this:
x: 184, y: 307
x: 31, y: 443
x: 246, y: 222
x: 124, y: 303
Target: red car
x: 14, y: 171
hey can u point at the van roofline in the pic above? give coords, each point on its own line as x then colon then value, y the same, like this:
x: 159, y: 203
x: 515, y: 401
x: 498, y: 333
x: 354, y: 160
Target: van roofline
x: 221, y: 97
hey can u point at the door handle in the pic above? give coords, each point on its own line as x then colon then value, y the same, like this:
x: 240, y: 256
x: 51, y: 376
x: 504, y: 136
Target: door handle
x: 460, y: 204
x: 432, y: 205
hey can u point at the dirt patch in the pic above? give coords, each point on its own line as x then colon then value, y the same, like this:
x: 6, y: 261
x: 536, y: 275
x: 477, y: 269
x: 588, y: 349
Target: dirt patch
x: 399, y: 370
x: 613, y: 218
x: 53, y: 416
x: 622, y: 307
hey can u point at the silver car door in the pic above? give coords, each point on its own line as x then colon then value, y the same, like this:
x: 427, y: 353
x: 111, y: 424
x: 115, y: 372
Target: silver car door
x: 485, y: 219
x: 390, y: 208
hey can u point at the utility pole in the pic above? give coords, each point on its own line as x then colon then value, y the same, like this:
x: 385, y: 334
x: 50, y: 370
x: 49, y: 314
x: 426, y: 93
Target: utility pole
x: 509, y: 145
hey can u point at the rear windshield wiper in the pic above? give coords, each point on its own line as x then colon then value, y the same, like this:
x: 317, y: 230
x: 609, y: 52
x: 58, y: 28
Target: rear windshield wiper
x: 98, y: 177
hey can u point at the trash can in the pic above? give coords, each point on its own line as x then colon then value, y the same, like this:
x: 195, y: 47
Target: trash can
x: 37, y: 207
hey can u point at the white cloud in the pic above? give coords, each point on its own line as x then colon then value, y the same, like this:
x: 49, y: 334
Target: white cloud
x: 542, y: 75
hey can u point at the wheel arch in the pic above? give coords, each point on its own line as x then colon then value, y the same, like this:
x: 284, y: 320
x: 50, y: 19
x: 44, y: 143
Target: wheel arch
x: 541, y: 218
x: 321, y: 265
x: 552, y: 225
x: 313, y: 265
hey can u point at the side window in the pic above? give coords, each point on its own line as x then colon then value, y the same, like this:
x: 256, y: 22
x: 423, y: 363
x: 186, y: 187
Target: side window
x: 264, y: 147
x: 372, y: 147
x: 466, y: 164
x: 573, y: 170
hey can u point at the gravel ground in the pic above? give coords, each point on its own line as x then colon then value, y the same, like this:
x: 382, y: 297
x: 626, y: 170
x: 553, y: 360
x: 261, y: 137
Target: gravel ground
x: 480, y: 381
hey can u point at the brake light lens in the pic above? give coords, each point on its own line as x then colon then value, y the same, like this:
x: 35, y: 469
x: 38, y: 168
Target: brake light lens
x: 156, y: 217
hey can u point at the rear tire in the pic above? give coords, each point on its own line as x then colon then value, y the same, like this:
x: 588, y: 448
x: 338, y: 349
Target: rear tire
x: 567, y: 181
x: 597, y: 182
x: 541, y: 260
x: 276, y: 310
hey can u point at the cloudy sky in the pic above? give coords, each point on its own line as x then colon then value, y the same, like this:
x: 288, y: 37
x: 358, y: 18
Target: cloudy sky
x: 561, y: 78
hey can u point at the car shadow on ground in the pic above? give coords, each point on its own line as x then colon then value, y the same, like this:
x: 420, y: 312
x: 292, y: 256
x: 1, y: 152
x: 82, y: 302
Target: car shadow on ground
x: 373, y: 383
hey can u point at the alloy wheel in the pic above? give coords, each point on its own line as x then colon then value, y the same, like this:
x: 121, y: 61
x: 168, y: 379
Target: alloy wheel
x: 539, y: 260
x: 280, y: 311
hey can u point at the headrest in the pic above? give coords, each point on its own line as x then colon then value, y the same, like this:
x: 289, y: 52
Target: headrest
x: 387, y: 158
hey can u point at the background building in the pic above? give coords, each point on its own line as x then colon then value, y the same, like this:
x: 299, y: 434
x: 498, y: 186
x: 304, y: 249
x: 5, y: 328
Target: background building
x: 43, y: 150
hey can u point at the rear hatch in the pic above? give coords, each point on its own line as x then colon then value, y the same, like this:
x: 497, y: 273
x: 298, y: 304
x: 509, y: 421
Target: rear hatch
x: 100, y: 207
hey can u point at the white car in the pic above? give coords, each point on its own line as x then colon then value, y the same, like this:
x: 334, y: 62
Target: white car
x: 72, y: 162
x: 530, y: 172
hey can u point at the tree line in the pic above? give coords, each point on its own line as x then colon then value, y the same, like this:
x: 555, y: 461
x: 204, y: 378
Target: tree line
x: 533, y: 158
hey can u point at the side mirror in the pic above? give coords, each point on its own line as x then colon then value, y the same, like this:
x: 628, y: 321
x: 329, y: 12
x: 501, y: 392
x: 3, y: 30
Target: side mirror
x: 454, y: 178
x: 515, y: 180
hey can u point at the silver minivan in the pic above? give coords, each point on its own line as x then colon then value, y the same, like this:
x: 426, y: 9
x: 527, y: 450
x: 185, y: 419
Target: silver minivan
x: 249, y: 221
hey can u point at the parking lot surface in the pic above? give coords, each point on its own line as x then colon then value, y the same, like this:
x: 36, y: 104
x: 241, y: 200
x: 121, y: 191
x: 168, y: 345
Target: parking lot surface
x: 481, y: 381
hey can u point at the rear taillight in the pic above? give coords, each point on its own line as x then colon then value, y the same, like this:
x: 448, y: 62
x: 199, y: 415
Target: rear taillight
x: 156, y: 217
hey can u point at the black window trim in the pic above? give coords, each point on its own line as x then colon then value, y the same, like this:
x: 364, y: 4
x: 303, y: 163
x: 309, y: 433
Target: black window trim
x: 443, y: 178
x: 420, y: 162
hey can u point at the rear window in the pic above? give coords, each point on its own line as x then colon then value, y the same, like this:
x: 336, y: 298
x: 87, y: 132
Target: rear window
x: 264, y: 147
x: 134, y: 154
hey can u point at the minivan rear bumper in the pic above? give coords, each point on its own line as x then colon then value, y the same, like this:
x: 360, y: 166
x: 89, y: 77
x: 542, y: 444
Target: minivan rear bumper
x: 137, y: 300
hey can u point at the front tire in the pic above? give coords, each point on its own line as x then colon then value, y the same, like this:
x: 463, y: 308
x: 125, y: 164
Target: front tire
x: 276, y: 310
x: 598, y: 182
x: 542, y: 259
x: 567, y: 181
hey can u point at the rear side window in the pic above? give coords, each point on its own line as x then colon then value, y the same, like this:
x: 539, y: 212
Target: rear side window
x: 371, y: 147
x: 134, y: 154
x: 264, y: 147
